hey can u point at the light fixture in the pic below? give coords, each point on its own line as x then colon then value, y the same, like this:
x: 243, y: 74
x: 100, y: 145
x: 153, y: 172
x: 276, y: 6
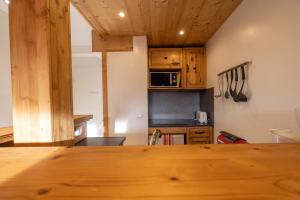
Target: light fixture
x: 181, y: 32
x: 121, y: 14
x: 6, y: 1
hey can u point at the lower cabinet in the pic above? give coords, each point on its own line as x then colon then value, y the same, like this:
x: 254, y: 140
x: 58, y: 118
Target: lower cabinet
x: 193, y: 135
x: 201, y: 135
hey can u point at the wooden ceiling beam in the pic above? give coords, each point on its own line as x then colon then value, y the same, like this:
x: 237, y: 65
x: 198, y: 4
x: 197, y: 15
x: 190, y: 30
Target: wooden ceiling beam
x: 85, y: 12
x: 111, y: 43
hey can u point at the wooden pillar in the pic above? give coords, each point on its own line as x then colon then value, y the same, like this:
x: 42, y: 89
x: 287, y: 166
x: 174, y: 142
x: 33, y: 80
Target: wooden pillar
x: 105, y: 94
x: 41, y: 71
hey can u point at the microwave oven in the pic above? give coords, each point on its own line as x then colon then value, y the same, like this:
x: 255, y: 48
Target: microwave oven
x: 164, y: 79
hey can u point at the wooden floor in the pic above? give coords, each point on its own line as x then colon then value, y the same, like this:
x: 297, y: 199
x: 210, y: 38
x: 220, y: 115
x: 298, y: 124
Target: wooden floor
x: 207, y: 172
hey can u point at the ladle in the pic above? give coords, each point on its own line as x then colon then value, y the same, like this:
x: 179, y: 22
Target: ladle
x: 227, y: 90
x: 235, y: 94
x: 241, y: 96
x: 230, y: 86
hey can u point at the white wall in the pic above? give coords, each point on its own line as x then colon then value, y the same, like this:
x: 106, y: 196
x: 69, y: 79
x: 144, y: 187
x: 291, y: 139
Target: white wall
x: 80, y: 29
x: 5, y: 76
x: 87, y: 91
x: 265, y: 32
x: 127, y: 93
x: 3, y: 6
x: 87, y: 74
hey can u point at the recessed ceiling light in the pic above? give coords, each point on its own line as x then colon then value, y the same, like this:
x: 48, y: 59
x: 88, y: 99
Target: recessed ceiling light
x: 7, y: 1
x: 181, y: 32
x: 121, y: 14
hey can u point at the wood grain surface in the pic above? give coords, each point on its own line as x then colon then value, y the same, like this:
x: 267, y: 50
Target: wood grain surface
x: 160, y: 20
x: 41, y: 71
x: 206, y: 172
x: 111, y: 43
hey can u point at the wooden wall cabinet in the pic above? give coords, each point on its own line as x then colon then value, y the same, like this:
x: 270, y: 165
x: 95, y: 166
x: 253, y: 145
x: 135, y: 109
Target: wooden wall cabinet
x: 165, y: 58
x: 195, y: 68
x: 190, y: 62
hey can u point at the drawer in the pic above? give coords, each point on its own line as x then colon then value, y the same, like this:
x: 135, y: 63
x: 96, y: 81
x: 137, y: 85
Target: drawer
x: 199, y: 132
x: 168, y: 130
x: 199, y: 139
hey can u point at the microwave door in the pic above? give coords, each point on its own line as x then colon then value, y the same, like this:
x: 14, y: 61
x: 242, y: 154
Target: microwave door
x: 160, y: 79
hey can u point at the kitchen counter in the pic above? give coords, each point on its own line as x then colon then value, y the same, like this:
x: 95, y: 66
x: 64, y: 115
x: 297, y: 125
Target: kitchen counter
x: 206, y: 172
x: 102, y: 141
x: 176, y: 123
x: 6, y: 133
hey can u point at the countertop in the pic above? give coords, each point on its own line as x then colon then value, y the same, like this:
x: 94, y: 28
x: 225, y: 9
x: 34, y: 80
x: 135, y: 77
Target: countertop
x: 176, y: 123
x: 206, y: 172
x: 6, y: 133
x: 102, y: 141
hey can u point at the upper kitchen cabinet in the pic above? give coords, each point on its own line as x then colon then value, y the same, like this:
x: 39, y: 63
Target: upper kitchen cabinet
x: 177, y: 68
x: 195, y: 68
x: 165, y: 58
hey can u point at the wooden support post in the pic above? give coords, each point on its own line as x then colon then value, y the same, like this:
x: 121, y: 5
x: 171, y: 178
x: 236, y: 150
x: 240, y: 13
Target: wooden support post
x: 41, y: 71
x: 105, y: 94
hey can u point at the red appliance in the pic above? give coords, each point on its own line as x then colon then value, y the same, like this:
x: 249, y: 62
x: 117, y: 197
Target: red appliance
x: 227, y: 138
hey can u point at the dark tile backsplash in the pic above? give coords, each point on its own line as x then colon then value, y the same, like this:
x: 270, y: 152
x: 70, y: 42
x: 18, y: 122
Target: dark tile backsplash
x: 173, y: 104
x: 180, y: 104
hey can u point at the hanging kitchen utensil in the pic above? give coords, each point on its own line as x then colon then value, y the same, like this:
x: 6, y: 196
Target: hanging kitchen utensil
x: 227, y: 90
x: 235, y: 94
x: 241, y: 96
x: 230, y: 86
x: 220, y: 84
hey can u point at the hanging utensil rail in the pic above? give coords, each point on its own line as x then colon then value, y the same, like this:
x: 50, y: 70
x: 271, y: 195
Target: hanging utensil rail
x: 233, y: 68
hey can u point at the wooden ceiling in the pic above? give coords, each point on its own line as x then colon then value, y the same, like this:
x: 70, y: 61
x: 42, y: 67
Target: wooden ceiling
x: 160, y: 20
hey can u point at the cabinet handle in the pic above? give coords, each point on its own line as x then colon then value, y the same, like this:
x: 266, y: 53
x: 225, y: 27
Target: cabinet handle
x: 199, y: 132
x: 187, y: 68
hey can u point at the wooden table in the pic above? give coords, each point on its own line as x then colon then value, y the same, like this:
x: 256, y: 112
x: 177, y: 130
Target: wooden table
x: 102, y: 141
x: 206, y: 172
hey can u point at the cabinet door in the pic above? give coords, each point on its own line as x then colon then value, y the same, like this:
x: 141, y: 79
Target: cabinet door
x: 165, y: 58
x: 195, y: 68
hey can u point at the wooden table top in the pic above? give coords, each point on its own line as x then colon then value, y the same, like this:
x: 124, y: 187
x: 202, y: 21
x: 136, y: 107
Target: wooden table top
x: 206, y: 172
